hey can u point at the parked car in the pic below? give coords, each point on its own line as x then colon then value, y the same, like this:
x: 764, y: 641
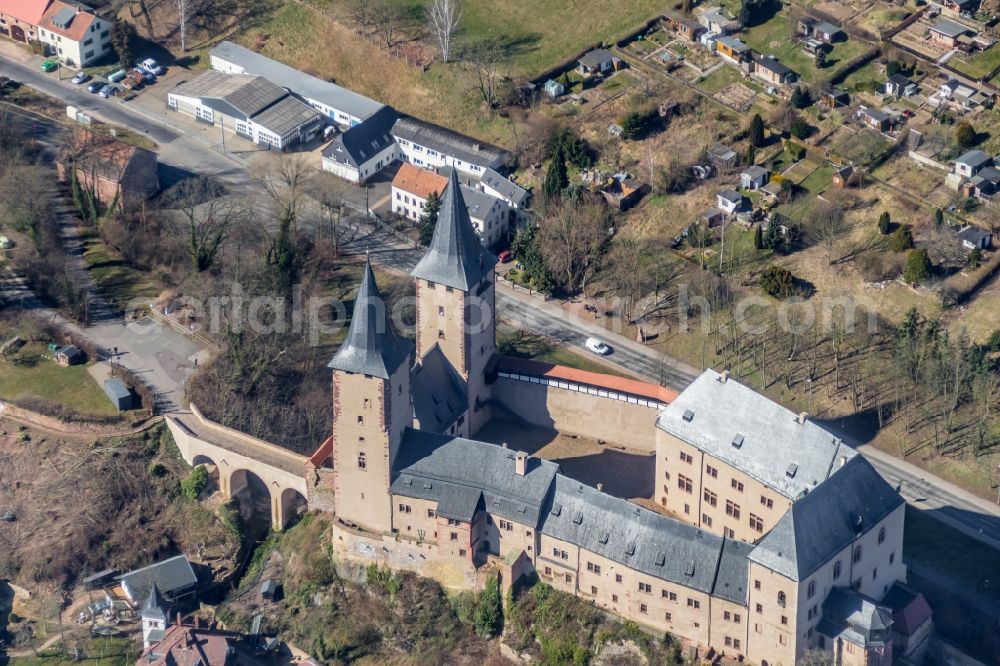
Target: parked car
x: 81, y: 77
x: 105, y: 91
x: 597, y: 347
x: 505, y: 256
x: 95, y: 86
x: 50, y: 66
x: 152, y: 67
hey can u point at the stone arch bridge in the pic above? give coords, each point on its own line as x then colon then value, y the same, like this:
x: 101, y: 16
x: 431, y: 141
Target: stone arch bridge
x: 244, y: 465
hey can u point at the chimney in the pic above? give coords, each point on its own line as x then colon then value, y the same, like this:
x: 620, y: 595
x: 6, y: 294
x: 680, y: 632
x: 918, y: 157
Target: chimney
x: 843, y: 460
x: 801, y: 418
x: 504, y: 445
x: 600, y: 487
x: 724, y: 377
x: 521, y: 463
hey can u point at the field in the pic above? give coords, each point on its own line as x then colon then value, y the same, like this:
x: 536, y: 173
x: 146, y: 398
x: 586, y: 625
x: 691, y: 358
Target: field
x: 980, y: 64
x: 35, y: 374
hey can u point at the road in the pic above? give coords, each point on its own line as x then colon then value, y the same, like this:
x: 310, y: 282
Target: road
x: 952, y: 505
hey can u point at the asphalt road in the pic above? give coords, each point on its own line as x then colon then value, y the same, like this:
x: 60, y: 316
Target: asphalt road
x: 945, y: 501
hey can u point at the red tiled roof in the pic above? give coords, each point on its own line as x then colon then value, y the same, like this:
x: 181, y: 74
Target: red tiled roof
x: 183, y: 645
x: 28, y: 11
x: 324, y: 451
x: 419, y: 182
x: 595, y: 379
x: 77, y: 28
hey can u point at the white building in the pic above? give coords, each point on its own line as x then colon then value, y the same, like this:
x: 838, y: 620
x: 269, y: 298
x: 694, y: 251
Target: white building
x: 249, y: 106
x: 363, y: 150
x: 412, y: 186
x: 432, y: 146
x: 77, y: 37
x: 338, y: 104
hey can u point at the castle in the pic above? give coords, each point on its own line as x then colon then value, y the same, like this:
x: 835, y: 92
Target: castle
x: 779, y: 538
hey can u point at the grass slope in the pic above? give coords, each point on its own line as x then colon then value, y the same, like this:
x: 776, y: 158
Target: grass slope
x: 35, y: 374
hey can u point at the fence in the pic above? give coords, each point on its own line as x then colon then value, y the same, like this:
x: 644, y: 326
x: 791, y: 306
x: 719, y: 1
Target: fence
x: 927, y: 161
x: 513, y: 286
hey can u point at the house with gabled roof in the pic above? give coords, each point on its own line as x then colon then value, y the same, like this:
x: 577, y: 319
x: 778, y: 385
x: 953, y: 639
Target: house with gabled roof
x: 364, y: 150
x: 72, y: 33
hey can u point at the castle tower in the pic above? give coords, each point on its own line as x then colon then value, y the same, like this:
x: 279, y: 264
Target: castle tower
x: 154, y: 618
x: 371, y: 409
x: 456, y: 301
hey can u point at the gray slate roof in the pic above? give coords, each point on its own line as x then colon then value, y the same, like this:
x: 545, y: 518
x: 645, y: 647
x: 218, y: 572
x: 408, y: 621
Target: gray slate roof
x: 371, y: 347
x: 234, y: 94
x: 451, y: 470
x: 456, y: 257
x: 772, y: 437
x: 732, y: 196
x: 362, y: 142
x: 826, y: 28
x: 974, y: 158
x: 301, y: 83
x: 661, y: 547
x: 754, y: 171
x: 949, y: 28
x: 155, y: 607
x: 172, y: 576
x: 438, y: 391
x: 449, y: 142
x: 286, y: 115
x: 772, y: 64
x: 479, y: 203
x: 517, y: 194
x: 854, y: 617
x: 974, y: 235
x: 825, y: 521
x: 595, y: 57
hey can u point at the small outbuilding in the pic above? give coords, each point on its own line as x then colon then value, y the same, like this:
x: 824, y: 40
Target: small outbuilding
x: 120, y: 396
x: 554, y: 89
x: 68, y: 355
x: 975, y: 238
x: 753, y: 177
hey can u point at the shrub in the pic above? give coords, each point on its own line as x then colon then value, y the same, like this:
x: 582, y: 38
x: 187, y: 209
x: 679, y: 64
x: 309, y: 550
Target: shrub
x: 994, y: 342
x: 938, y: 216
x: 156, y: 470
x: 918, y: 266
x: 975, y: 257
x: 489, y: 609
x: 757, y: 131
x: 229, y: 516
x: 195, y: 482
x: 801, y: 98
x: 901, y: 239
x: 637, y: 124
x: 799, y: 128
x: 777, y: 282
x: 965, y: 134
x: 884, y: 223
x: 795, y: 150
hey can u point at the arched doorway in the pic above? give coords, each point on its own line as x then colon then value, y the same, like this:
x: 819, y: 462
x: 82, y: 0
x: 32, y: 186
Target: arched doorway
x: 213, y: 472
x: 254, y: 499
x: 293, y: 506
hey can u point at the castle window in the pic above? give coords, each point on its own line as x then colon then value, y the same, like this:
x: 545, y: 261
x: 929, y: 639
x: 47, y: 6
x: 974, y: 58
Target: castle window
x: 756, y: 585
x: 811, y: 590
x: 736, y: 643
x: 643, y: 609
x: 684, y: 483
x: 729, y: 642
x: 710, y: 497
x: 736, y: 618
x: 461, y: 552
x: 881, y: 535
x: 836, y: 570
x: 781, y: 599
x: 454, y: 536
x: 440, y: 310
x: 569, y: 578
x: 618, y: 578
x: 440, y: 335
x: 686, y: 458
x: 732, y: 509
x: 784, y: 619
x: 693, y: 603
x: 614, y: 598
x: 711, y: 471
x: 727, y: 616
x: 593, y: 589
x: 766, y: 501
x: 594, y: 568
x: 548, y: 571
x: 405, y: 508
x: 706, y: 520
x: 857, y: 553
x: 430, y: 513
x: 361, y: 420
x: 737, y: 485
x: 367, y: 403
x: 646, y: 588
x: 361, y: 460
x: 756, y: 523
x: 667, y: 616
x: 760, y: 609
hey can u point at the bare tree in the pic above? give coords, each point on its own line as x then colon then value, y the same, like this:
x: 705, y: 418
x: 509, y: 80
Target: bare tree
x: 183, y: 7
x: 387, y: 19
x: 488, y: 58
x: 362, y: 14
x: 443, y: 16
x: 827, y: 226
x: 208, y: 221
x: 571, y: 241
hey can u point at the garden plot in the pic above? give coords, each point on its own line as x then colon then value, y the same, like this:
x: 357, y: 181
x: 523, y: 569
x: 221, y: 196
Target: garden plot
x: 915, y: 37
x: 736, y: 95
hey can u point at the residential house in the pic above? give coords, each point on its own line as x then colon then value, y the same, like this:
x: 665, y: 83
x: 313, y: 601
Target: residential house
x: 496, y: 185
x: 717, y: 21
x: 722, y: 156
x: 68, y: 355
x: 598, y: 61
x: 683, y: 26
x: 729, y: 201
x: 900, y: 86
x: 343, y: 107
x: 733, y: 49
x: 946, y: 33
x: 975, y: 238
x: 820, y: 30
x: 874, y: 118
x: 986, y: 183
x: 432, y: 146
x: 249, y: 106
x: 363, y: 150
x: 971, y: 162
x: 186, y: 645
x: 174, y: 579
x: 834, y: 97
x: 623, y: 192
x: 843, y: 176
x: 76, y: 36
x: 116, y: 172
x: 767, y: 68
x: 753, y: 177
x: 412, y: 186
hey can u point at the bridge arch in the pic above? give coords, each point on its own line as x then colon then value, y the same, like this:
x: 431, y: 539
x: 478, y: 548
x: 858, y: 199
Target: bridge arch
x: 215, y: 483
x: 292, y: 506
x: 255, y: 501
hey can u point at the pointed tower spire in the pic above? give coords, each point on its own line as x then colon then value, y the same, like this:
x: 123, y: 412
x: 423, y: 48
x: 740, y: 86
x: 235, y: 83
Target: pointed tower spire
x: 371, y: 347
x: 456, y: 258
x: 155, y: 608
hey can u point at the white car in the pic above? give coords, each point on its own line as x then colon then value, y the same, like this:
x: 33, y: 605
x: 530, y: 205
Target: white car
x: 151, y: 66
x: 598, y: 347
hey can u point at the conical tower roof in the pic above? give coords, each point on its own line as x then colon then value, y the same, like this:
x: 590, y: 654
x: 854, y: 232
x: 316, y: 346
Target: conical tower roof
x: 456, y: 257
x: 371, y: 347
x: 155, y: 608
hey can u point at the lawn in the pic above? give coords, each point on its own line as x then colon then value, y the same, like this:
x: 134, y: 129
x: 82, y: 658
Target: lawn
x: 93, y: 652
x: 119, y: 283
x: 774, y: 38
x: 719, y: 79
x: 980, y: 64
x: 818, y: 179
x: 33, y: 373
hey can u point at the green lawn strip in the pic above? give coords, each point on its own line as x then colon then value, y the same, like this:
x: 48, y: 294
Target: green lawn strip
x: 118, y: 282
x: 35, y: 374
x: 980, y: 64
x: 817, y: 181
x: 719, y: 79
x: 93, y: 652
